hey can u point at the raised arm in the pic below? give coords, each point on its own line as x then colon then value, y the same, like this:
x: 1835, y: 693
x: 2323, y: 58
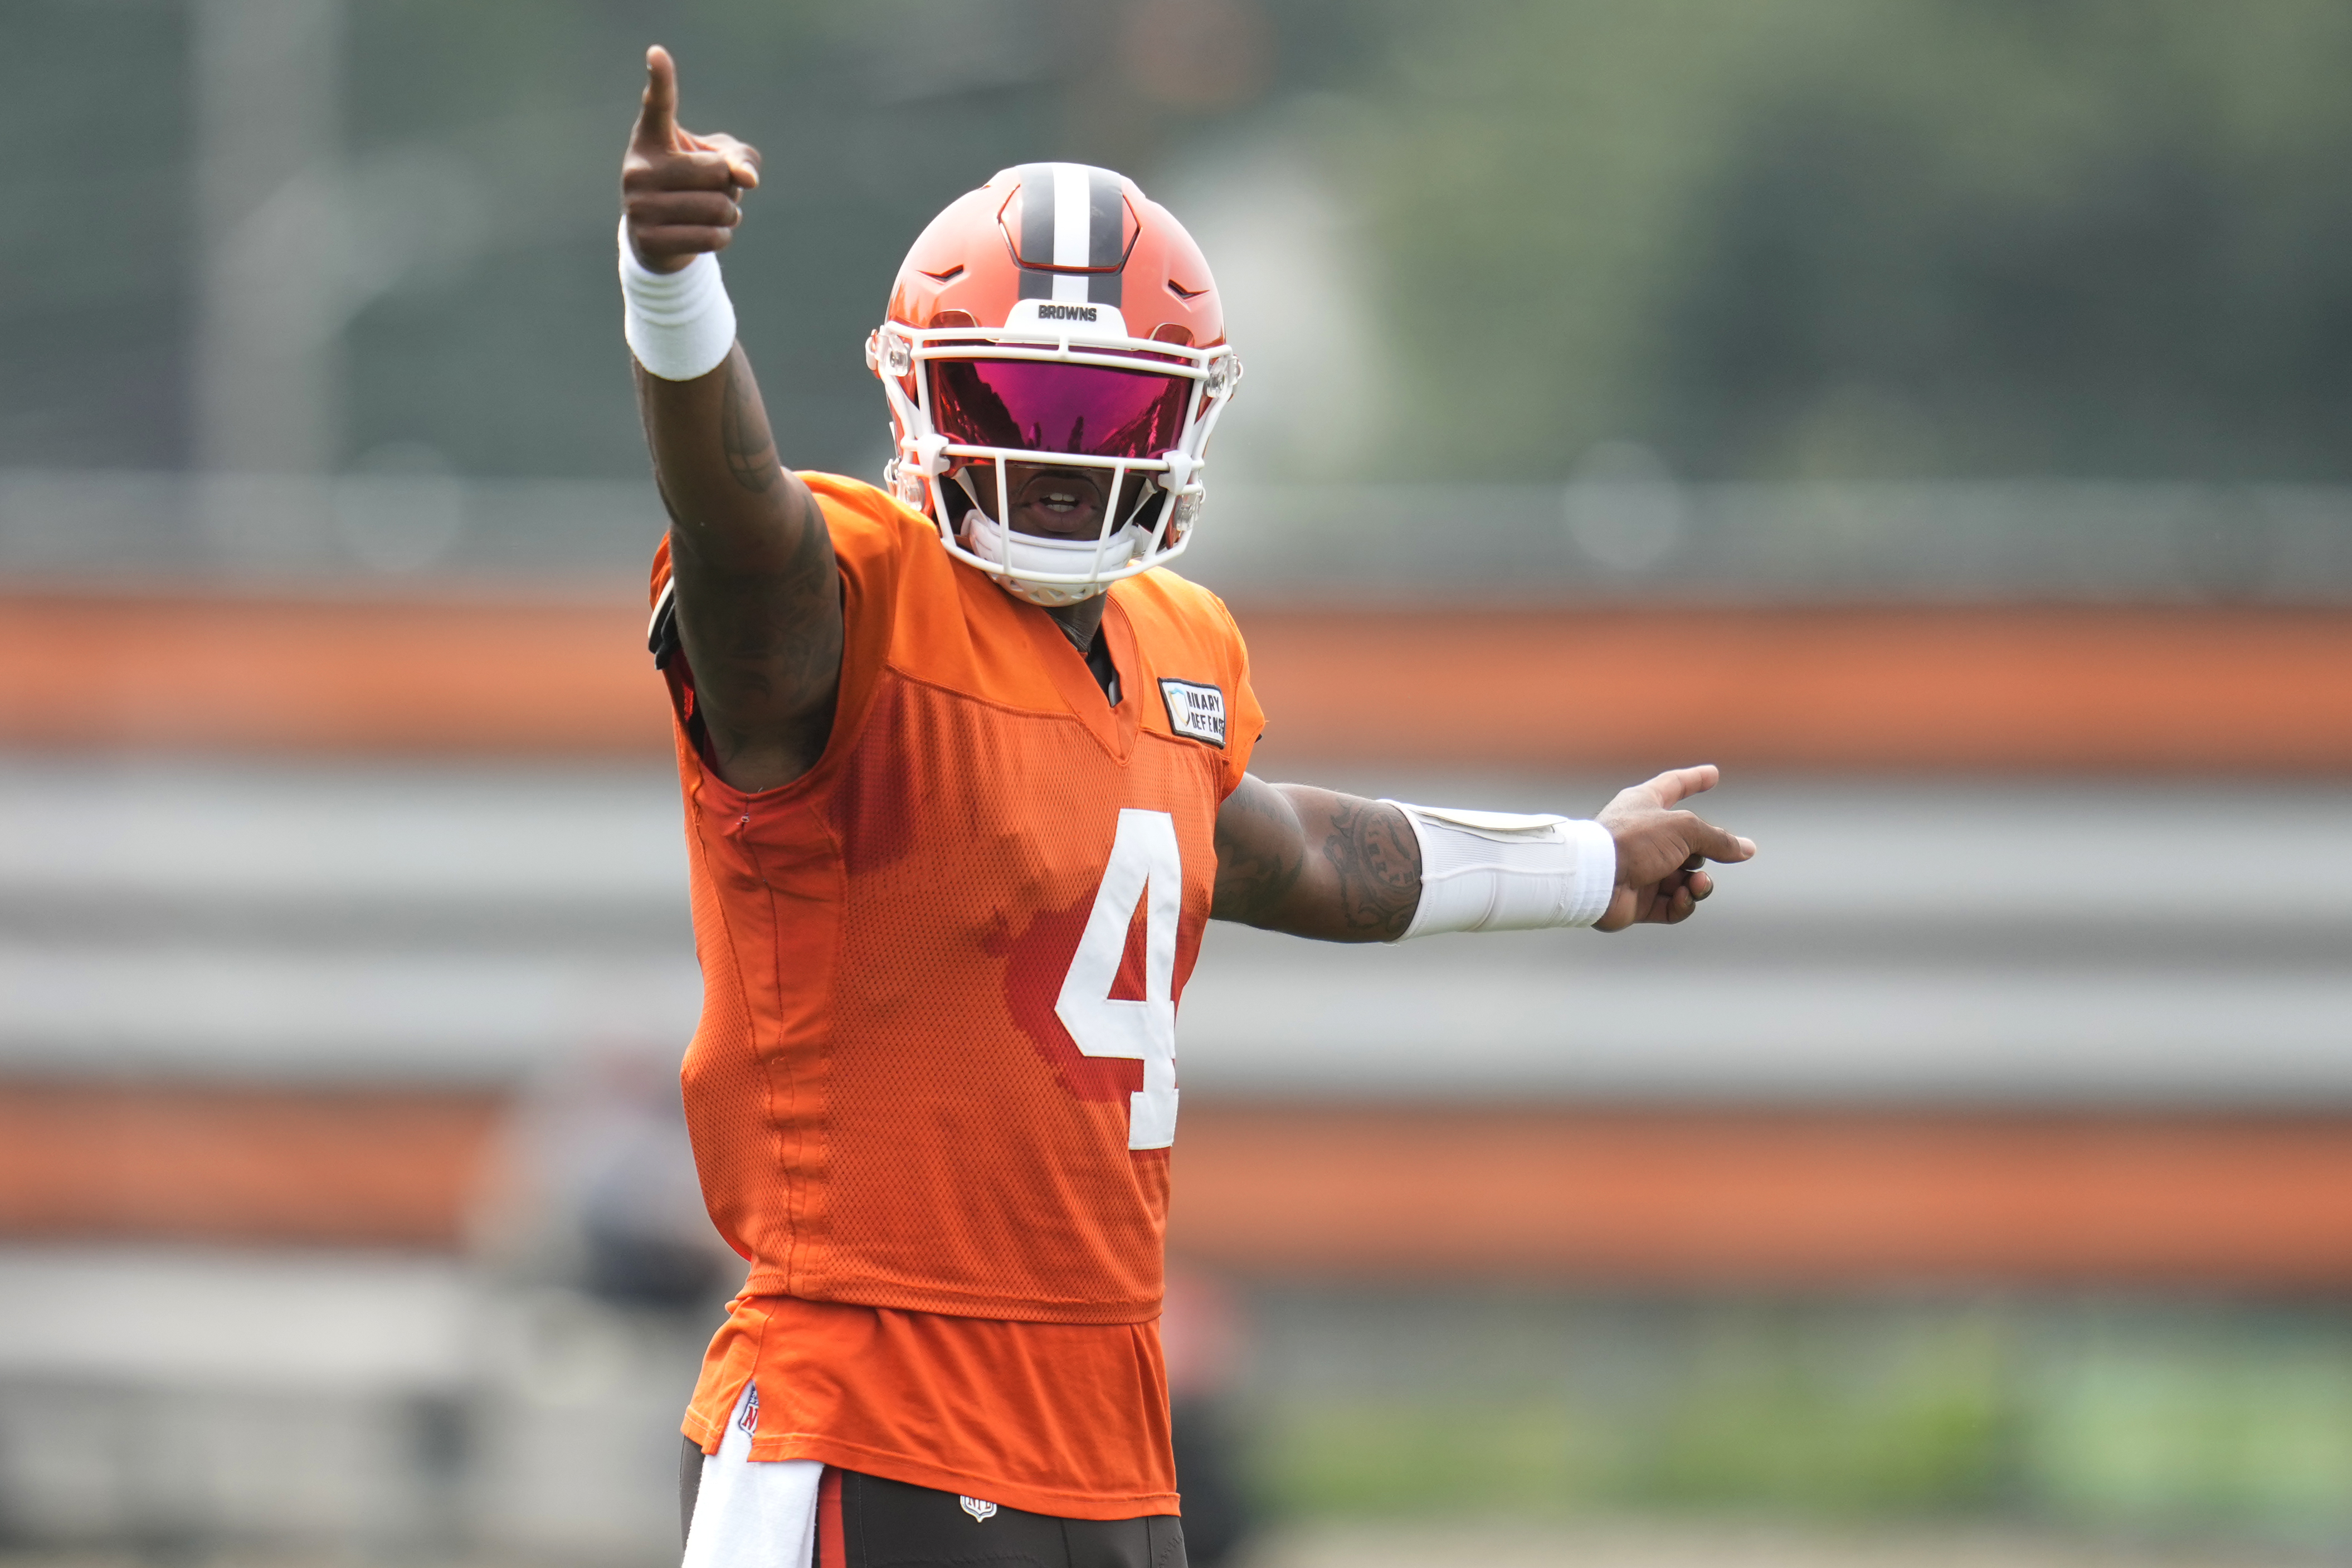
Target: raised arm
x: 759, y: 602
x: 1337, y: 868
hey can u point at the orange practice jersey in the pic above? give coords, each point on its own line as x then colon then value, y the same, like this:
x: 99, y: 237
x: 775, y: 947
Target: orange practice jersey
x: 935, y: 1071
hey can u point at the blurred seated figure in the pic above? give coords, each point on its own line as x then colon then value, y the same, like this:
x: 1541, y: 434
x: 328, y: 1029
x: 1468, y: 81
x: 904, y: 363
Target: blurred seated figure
x: 1200, y: 1338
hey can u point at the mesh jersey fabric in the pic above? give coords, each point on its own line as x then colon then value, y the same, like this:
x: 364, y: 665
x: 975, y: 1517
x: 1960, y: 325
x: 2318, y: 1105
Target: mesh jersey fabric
x: 1068, y: 1419
x: 932, y: 1182
x: 885, y: 1107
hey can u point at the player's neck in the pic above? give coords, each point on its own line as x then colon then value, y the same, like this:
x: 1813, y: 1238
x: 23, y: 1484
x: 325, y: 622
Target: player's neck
x: 1080, y: 621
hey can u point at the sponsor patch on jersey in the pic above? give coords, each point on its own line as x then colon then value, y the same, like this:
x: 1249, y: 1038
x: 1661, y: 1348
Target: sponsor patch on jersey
x: 1195, y: 710
x: 980, y: 1511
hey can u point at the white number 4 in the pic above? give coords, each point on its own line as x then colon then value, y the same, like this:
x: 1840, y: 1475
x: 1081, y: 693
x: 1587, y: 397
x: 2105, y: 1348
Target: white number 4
x: 1144, y: 867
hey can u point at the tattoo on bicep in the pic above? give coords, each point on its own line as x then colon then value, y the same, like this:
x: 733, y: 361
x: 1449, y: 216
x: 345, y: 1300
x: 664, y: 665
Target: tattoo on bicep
x: 1378, y: 865
x: 1255, y: 872
x: 743, y: 432
x: 1251, y: 882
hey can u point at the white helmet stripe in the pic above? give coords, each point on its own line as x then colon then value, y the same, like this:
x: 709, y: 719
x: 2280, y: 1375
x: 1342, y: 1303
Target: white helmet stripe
x: 1073, y: 233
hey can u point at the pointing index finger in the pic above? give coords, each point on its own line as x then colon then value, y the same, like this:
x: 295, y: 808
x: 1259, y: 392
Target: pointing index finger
x: 1680, y: 784
x: 1716, y: 844
x: 657, y: 118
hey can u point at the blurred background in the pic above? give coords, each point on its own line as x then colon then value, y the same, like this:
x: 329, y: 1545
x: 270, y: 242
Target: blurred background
x: 1937, y: 412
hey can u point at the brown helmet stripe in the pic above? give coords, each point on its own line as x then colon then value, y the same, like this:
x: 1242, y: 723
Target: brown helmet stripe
x: 1072, y: 220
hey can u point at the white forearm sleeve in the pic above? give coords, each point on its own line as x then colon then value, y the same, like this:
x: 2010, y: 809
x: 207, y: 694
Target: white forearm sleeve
x: 1494, y: 870
x: 679, y: 324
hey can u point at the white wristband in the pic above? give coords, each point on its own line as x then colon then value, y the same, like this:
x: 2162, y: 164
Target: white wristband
x: 679, y: 324
x: 1493, y: 870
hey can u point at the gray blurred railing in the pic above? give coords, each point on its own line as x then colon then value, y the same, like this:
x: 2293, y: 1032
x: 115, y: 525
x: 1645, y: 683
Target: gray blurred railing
x: 1593, y: 540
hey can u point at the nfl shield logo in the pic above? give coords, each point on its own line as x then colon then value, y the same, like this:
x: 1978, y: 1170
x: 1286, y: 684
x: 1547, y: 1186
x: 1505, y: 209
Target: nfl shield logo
x: 980, y: 1510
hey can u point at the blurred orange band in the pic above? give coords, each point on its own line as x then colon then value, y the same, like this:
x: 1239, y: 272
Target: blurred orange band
x: 2217, y: 690
x: 1639, y: 1196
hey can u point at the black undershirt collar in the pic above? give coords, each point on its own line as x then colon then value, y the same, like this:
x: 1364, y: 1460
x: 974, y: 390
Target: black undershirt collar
x: 1099, y: 663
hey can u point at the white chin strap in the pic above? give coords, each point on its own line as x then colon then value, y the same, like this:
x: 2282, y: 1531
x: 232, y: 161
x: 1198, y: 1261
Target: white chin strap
x: 1024, y: 554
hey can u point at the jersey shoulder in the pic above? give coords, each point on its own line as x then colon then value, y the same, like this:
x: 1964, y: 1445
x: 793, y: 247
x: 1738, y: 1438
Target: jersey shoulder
x: 1195, y: 666
x: 1175, y: 615
x: 909, y: 605
x: 869, y: 526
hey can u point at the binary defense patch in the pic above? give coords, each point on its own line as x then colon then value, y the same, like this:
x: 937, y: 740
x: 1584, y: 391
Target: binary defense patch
x: 1195, y: 711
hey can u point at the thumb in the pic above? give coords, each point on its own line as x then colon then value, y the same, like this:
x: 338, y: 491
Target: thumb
x: 656, y: 129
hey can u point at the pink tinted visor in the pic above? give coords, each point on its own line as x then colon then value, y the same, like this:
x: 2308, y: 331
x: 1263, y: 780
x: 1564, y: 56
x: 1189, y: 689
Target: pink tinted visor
x: 1042, y: 405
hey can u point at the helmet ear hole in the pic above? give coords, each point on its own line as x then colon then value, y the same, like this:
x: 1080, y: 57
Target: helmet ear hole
x: 955, y: 319
x: 1175, y: 332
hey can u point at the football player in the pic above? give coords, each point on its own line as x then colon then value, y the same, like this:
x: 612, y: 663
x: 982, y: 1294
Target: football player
x: 965, y: 773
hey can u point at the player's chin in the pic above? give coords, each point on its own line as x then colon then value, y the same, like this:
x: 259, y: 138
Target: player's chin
x: 1063, y: 527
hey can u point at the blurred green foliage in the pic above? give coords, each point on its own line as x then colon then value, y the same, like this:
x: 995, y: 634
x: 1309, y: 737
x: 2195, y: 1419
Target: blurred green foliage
x: 2136, y: 1428
x: 1839, y: 237
x: 93, y: 270
x: 1762, y: 237
x: 2140, y: 1417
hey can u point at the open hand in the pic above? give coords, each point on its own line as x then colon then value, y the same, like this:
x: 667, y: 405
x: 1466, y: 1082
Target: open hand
x: 680, y: 192
x: 1661, y: 850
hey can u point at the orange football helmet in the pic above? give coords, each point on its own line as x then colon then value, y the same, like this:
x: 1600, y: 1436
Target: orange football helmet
x: 1055, y: 316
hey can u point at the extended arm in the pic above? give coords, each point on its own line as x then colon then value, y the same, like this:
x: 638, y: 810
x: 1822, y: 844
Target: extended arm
x: 759, y: 601
x: 1315, y: 863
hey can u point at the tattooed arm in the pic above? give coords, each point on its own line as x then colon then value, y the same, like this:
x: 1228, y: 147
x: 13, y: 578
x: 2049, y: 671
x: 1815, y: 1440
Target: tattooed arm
x: 1291, y: 858
x: 1311, y: 862
x: 759, y: 602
